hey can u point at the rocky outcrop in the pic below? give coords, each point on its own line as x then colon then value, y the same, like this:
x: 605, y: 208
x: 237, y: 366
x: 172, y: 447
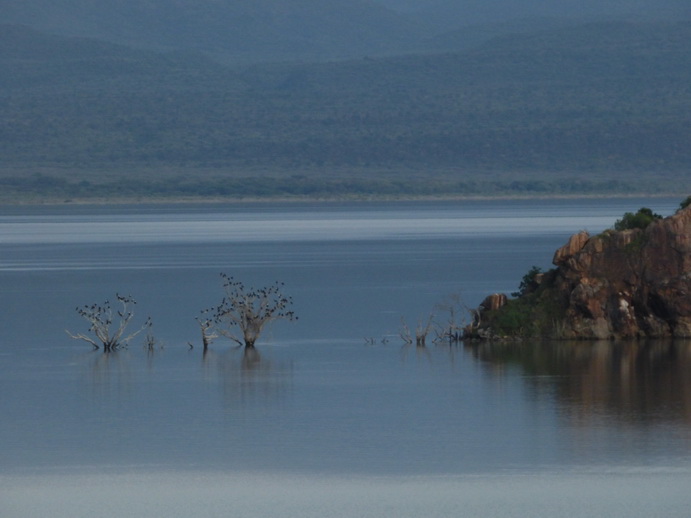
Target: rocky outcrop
x: 621, y: 284
x: 629, y: 283
x: 493, y: 302
x: 574, y: 245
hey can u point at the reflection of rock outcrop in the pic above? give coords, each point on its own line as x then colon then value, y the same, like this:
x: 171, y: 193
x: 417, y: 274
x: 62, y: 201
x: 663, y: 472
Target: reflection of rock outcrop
x: 630, y: 381
x: 616, y: 285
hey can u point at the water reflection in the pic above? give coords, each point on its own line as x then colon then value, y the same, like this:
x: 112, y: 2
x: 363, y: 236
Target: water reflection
x: 421, y: 351
x: 108, y: 372
x: 246, y: 376
x: 242, y: 379
x: 633, y: 382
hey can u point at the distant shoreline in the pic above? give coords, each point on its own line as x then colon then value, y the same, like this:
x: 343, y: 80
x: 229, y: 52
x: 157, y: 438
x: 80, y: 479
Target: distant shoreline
x: 176, y: 200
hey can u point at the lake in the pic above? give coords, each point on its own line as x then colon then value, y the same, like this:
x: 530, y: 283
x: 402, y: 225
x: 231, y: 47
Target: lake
x: 334, y: 414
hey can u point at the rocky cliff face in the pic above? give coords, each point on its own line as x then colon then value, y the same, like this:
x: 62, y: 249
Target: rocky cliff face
x: 616, y: 285
x: 629, y: 283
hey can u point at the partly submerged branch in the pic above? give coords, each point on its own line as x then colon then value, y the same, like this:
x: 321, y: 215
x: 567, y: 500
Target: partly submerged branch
x: 421, y: 331
x: 107, y: 326
x: 244, y: 312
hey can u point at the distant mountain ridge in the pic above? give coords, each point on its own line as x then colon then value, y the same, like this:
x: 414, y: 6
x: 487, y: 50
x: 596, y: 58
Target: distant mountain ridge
x: 275, y: 30
x: 460, y: 24
x: 37, y: 64
x: 455, y: 13
x: 602, y: 106
x: 254, y: 29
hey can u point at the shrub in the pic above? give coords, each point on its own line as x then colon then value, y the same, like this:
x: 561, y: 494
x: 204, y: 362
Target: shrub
x: 528, y: 282
x: 640, y: 219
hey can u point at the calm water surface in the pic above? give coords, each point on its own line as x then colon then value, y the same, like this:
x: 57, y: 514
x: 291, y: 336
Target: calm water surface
x: 333, y: 415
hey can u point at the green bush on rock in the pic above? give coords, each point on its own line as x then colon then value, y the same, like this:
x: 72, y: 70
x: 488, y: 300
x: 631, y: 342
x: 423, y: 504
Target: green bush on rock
x: 640, y: 219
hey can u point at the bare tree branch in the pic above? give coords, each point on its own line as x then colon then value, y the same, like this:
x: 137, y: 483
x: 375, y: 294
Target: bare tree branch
x: 102, y: 319
x: 244, y: 312
x: 421, y: 331
x: 206, y: 326
x: 458, y: 313
x: 405, y: 333
x: 85, y: 338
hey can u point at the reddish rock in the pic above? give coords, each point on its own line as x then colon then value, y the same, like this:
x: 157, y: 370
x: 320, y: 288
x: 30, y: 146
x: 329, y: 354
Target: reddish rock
x: 630, y: 283
x: 494, y: 301
x: 575, y: 245
x: 616, y: 285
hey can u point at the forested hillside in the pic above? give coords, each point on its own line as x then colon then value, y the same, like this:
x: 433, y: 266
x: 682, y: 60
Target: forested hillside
x: 237, y: 30
x: 602, y: 107
x: 452, y: 13
x: 265, y: 30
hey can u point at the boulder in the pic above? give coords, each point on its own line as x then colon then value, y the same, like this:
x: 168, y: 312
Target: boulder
x: 494, y: 301
x: 616, y: 285
x: 571, y: 248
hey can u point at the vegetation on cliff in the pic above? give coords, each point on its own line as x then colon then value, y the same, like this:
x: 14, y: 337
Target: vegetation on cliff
x: 640, y: 219
x: 631, y: 281
x: 534, y: 312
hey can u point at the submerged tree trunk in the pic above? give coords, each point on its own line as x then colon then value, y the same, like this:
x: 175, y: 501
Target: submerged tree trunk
x: 205, y: 340
x: 244, y: 312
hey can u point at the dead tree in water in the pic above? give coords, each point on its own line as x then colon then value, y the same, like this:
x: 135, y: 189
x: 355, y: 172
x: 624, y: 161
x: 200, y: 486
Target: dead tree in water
x: 108, y: 325
x: 206, y: 325
x: 457, y: 311
x: 245, y: 312
x: 421, y: 332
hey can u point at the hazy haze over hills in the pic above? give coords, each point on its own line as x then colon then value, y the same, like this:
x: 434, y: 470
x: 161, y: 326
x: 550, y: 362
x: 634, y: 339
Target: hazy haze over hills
x: 488, y: 17
x: 277, y: 29
x: 116, y: 98
x: 307, y: 29
x: 497, y: 10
